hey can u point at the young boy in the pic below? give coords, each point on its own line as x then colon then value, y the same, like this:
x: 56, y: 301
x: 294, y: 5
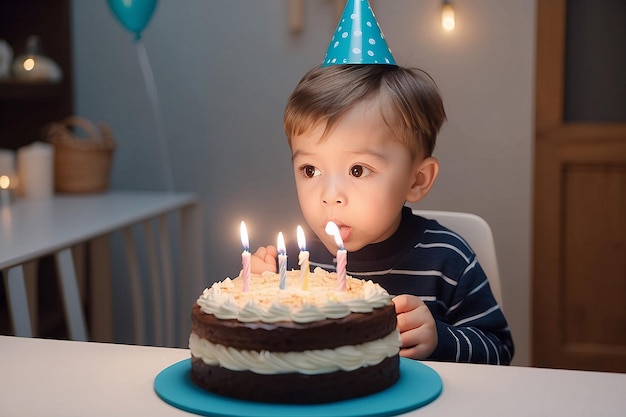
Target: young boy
x: 362, y: 136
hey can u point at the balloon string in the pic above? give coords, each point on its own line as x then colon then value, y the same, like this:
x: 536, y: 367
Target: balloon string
x: 156, y: 108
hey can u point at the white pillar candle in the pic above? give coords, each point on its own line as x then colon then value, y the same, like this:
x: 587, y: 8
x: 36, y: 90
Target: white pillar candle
x: 35, y: 167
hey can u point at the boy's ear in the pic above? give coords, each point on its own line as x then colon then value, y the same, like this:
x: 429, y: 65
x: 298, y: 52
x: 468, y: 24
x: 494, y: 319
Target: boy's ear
x: 424, y: 176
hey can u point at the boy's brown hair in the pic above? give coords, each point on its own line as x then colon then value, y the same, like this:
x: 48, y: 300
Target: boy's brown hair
x: 408, y: 99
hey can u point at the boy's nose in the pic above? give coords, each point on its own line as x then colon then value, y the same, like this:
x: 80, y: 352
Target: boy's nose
x: 331, y: 201
x: 333, y: 194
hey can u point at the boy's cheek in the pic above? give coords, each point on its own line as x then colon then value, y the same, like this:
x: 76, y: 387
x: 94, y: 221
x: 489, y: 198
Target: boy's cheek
x: 306, y: 194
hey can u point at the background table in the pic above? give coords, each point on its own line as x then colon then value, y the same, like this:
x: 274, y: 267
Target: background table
x: 30, y: 229
x: 65, y: 378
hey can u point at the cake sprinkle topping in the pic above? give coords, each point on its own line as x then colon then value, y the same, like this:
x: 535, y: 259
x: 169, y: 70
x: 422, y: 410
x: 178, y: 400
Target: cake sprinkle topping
x: 265, y: 302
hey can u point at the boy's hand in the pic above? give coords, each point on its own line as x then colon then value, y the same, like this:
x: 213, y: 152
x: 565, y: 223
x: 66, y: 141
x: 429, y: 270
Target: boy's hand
x: 264, y: 259
x: 417, y: 327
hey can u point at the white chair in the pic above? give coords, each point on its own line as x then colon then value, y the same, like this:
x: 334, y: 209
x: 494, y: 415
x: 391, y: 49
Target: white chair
x: 476, y: 231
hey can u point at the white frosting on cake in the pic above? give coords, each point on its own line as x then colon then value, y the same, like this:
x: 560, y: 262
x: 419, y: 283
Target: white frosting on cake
x: 266, y: 302
x: 311, y: 362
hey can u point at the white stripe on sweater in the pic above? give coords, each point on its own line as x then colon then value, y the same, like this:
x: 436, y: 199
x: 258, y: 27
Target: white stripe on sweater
x: 481, y: 336
x: 469, y: 345
x: 447, y: 232
x: 477, y: 316
x: 458, y: 344
x: 443, y: 245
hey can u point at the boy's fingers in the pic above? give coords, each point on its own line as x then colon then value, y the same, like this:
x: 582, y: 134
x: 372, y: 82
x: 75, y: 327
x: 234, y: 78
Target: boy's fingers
x: 271, y: 252
x: 406, y: 303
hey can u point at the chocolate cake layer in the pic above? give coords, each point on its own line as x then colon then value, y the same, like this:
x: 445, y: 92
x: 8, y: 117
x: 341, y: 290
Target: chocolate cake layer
x: 296, y: 388
x: 353, y: 329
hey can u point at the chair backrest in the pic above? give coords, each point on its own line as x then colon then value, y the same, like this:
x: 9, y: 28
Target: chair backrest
x: 476, y: 231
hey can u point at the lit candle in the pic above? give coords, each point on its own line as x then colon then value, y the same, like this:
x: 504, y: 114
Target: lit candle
x: 282, y: 260
x: 35, y: 166
x: 342, y: 254
x: 245, y: 257
x: 6, y: 191
x: 8, y: 180
x: 303, y: 259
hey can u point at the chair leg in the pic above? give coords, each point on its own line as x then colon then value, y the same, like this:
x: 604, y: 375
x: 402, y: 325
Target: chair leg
x: 155, y: 283
x: 18, y: 301
x: 168, y: 280
x: 193, y: 279
x: 135, y: 286
x: 100, y: 296
x: 31, y: 281
x: 71, y: 296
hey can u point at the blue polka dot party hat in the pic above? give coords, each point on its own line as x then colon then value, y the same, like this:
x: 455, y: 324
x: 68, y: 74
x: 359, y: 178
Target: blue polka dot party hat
x: 358, y: 38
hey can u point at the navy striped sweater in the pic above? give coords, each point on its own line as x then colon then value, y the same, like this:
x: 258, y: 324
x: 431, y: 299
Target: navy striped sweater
x: 425, y: 259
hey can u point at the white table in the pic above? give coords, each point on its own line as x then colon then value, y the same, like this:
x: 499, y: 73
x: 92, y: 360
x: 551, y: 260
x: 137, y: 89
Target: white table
x: 64, y: 378
x: 30, y: 229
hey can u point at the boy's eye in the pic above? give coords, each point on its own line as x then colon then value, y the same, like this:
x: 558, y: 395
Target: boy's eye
x: 310, y: 171
x: 359, y: 171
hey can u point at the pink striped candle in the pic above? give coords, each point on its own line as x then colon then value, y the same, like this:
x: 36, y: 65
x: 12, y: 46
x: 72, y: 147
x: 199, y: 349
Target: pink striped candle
x: 342, y: 255
x: 342, y: 261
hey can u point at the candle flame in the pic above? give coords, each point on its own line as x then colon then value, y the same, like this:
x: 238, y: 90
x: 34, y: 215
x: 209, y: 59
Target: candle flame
x: 5, y: 181
x: 244, y: 236
x: 301, y: 239
x: 333, y: 230
x: 280, y: 244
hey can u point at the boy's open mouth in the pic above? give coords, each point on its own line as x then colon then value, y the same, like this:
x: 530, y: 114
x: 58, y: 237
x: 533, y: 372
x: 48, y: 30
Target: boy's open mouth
x: 344, y: 232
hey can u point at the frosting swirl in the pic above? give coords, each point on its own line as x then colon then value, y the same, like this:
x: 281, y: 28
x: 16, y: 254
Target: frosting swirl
x: 319, y: 361
x: 267, y: 303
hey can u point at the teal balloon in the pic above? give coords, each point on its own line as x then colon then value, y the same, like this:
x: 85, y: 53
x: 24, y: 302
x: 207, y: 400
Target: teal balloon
x: 134, y: 15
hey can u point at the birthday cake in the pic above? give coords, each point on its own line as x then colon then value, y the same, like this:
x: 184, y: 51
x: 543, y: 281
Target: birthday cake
x: 306, y: 343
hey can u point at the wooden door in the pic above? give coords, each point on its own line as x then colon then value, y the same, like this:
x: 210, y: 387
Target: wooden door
x: 579, y: 251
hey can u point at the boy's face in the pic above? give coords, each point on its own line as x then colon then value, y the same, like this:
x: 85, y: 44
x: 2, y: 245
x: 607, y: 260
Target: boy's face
x: 358, y: 176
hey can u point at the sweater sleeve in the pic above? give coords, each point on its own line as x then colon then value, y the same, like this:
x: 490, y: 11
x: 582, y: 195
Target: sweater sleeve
x: 473, y: 328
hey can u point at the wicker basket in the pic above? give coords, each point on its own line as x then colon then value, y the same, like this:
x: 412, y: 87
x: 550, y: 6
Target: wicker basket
x: 81, y: 164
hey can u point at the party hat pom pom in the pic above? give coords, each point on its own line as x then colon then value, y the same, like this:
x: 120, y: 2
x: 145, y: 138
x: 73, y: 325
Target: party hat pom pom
x: 358, y: 38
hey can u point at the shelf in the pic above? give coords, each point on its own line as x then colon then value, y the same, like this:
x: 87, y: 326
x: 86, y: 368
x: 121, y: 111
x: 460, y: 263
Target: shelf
x: 29, y: 90
x: 27, y: 106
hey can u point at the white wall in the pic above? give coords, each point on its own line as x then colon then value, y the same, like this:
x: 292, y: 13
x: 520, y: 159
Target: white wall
x: 224, y: 70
